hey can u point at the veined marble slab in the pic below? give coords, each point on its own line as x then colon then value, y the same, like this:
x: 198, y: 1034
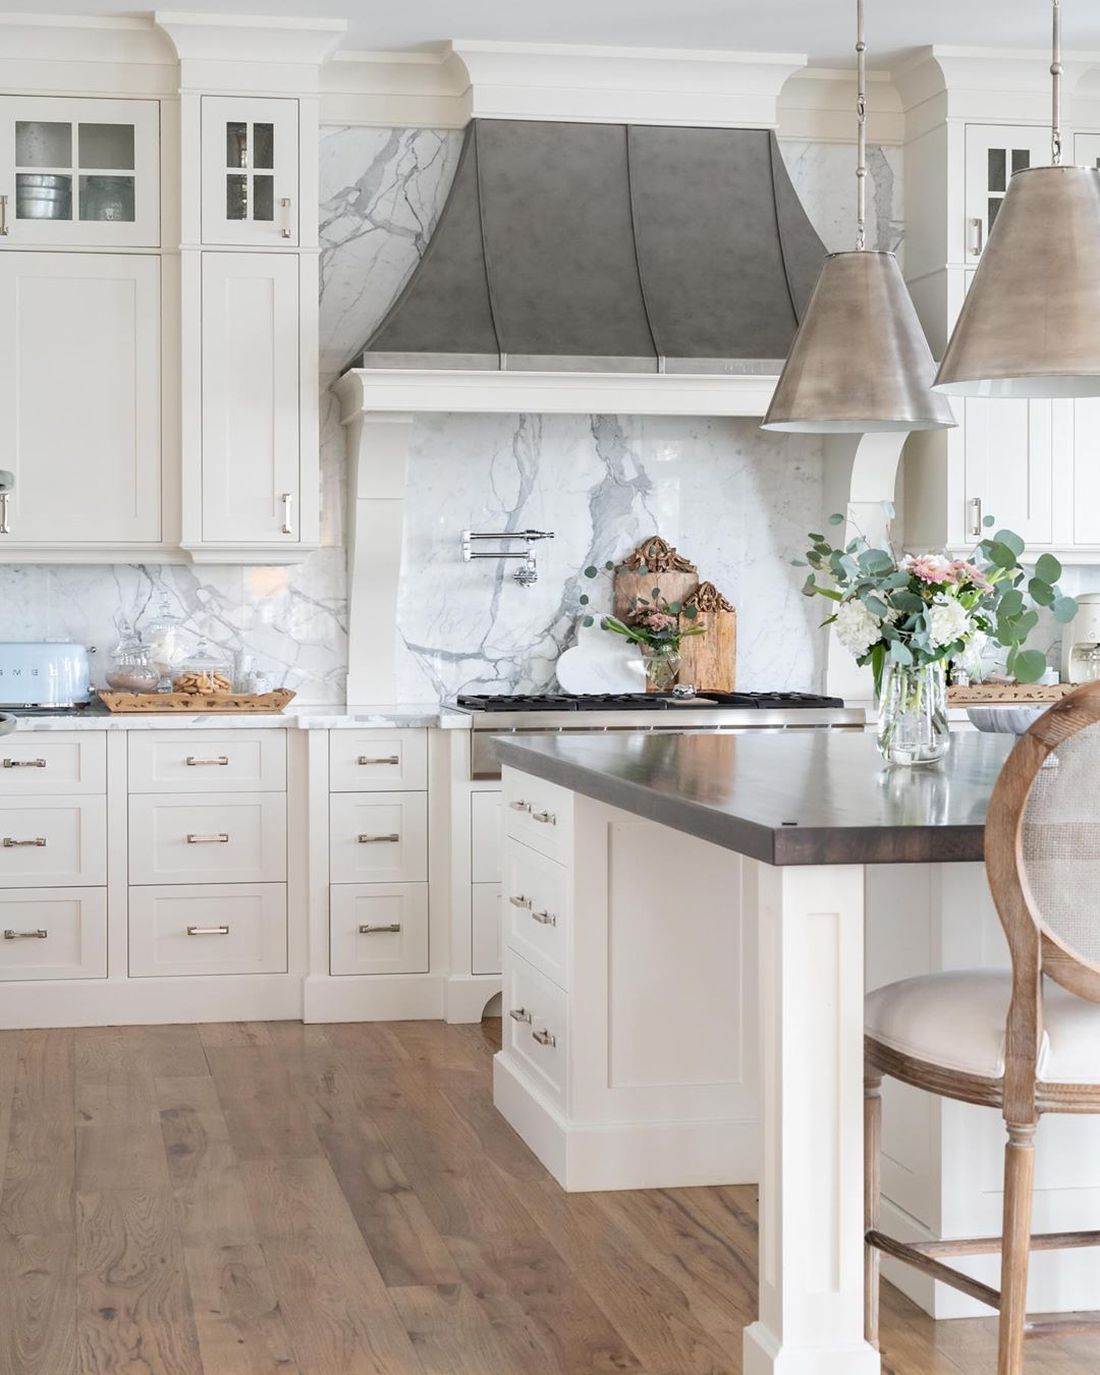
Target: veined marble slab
x: 390, y: 717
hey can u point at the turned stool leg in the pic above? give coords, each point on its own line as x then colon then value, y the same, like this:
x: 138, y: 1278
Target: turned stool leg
x: 872, y: 1140
x: 1016, y: 1246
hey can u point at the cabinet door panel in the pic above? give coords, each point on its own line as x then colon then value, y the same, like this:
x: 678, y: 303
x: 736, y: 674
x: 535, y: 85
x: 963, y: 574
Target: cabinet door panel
x: 1086, y: 471
x: 80, y: 397
x: 249, y: 171
x: 250, y: 450
x: 1009, y: 465
x: 994, y: 153
x: 80, y: 172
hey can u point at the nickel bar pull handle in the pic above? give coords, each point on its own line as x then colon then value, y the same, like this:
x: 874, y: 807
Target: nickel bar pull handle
x: 12, y: 844
x: 367, y: 930
x: 24, y: 763
x: 208, y: 930
x: 380, y: 759
x: 545, y: 1038
x: 520, y: 1014
x: 222, y: 838
x: 39, y: 935
x: 520, y: 806
x: 977, y: 236
x: 547, y: 818
x: 544, y: 918
x: 518, y: 900
x: 974, y: 505
x: 194, y: 762
x: 288, y: 524
x: 379, y: 840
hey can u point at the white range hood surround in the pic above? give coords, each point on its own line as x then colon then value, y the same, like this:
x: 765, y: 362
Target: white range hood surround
x: 378, y: 408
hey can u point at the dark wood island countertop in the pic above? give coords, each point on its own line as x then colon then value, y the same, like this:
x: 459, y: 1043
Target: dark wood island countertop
x: 802, y: 797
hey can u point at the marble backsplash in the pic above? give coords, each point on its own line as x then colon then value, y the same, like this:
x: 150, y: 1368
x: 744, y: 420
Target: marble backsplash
x: 733, y: 498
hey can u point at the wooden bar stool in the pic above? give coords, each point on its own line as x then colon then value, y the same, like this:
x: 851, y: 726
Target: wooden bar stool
x: 1025, y: 1040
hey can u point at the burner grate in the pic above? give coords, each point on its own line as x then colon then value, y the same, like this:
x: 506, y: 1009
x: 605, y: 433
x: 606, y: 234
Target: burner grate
x: 640, y: 701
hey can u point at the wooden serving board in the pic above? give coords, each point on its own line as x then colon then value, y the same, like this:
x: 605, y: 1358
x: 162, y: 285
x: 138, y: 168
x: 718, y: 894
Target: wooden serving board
x: 654, y: 564
x: 204, y: 703
x: 989, y: 694
x: 710, y: 660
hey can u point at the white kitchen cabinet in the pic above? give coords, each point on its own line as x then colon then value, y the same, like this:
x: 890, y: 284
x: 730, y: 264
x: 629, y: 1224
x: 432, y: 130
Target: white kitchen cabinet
x: 80, y: 422
x: 53, y: 933
x: 378, y: 928
x: 486, y: 924
x: 250, y: 400
x: 994, y: 153
x: 378, y: 761
x: 53, y: 842
x: 41, y: 765
x: 182, y: 762
x: 1009, y: 450
x: 249, y: 171
x: 234, y: 928
x: 378, y: 837
x: 207, y: 838
x: 79, y: 172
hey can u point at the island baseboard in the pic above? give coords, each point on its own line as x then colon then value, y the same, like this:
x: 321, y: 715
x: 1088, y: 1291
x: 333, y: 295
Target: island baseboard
x: 625, y: 1155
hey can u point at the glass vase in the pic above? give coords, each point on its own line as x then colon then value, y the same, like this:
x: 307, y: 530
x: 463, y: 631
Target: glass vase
x: 912, y: 714
x: 662, y: 665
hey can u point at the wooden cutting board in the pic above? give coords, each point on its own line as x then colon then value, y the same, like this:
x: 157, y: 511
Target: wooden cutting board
x: 710, y: 660
x: 655, y: 564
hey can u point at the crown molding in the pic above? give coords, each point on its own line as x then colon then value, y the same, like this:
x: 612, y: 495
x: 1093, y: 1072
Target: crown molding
x: 990, y: 85
x: 405, y: 89
x: 248, y: 54
x: 818, y: 104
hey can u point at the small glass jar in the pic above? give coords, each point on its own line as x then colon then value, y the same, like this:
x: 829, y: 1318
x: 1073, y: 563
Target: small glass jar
x: 164, y: 636
x: 206, y: 671
x: 131, y: 669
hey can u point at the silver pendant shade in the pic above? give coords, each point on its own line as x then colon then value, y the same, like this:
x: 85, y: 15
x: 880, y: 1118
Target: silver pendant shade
x: 1030, y: 324
x: 860, y: 362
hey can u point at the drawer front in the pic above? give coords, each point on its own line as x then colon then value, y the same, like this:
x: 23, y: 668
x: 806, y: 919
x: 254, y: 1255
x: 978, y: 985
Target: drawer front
x: 200, y: 761
x: 486, y: 837
x: 208, y: 838
x: 378, y: 928
x: 234, y: 928
x: 53, y: 933
x: 535, y: 910
x: 379, y: 838
x: 535, y: 1025
x: 378, y: 760
x: 538, y: 813
x: 56, y: 842
x: 485, y: 915
x: 44, y: 764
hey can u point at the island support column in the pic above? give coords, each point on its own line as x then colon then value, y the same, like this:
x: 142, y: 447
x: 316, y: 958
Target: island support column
x: 811, y: 1190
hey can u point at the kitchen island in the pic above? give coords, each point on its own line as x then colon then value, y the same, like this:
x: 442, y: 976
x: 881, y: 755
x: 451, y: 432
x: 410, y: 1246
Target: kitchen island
x: 640, y: 870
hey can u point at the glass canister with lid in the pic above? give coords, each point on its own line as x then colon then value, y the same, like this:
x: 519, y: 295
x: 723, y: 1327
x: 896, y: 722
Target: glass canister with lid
x: 206, y: 671
x: 164, y: 636
x: 131, y: 669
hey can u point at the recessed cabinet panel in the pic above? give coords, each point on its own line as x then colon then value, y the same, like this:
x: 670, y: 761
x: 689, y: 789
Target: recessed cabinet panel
x: 378, y: 837
x: 378, y: 928
x: 79, y: 173
x: 208, y: 837
x: 994, y: 154
x: 249, y: 171
x: 1009, y: 465
x: 53, y: 933
x: 237, y: 928
x: 80, y: 398
x: 250, y: 400
x: 1086, y: 470
x: 53, y: 842
x: 485, y: 928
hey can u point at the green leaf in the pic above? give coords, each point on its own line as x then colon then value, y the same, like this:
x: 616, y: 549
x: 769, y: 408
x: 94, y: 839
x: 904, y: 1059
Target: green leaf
x: 655, y: 593
x: 874, y: 605
x: 1065, y: 608
x: 798, y: 563
x: 1029, y: 666
x: 691, y: 612
x: 587, y: 621
x: 904, y: 600
x: 583, y: 599
x: 809, y: 587
x: 1041, y: 592
x: 1012, y: 539
x: 987, y: 521
x: 836, y: 518
x: 875, y: 561
x: 590, y: 571
x: 1048, y: 568
x: 1012, y: 601
x: 673, y: 608
x: 817, y: 539
x: 1002, y: 554
x: 900, y: 652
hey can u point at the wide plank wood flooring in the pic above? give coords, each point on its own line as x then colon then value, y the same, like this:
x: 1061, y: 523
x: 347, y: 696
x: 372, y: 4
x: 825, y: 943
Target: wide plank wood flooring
x: 277, y: 1199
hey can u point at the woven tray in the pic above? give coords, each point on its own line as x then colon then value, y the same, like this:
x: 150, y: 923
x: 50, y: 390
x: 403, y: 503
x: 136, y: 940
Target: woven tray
x: 989, y: 694
x: 204, y: 703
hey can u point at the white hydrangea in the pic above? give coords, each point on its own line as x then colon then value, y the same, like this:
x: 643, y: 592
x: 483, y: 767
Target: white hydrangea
x: 948, y: 621
x: 856, y: 628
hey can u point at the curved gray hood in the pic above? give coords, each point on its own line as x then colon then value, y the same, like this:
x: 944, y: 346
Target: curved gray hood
x: 608, y: 247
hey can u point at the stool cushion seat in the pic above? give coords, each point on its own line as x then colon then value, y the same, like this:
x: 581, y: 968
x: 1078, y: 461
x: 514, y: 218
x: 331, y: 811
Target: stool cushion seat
x: 957, y: 1020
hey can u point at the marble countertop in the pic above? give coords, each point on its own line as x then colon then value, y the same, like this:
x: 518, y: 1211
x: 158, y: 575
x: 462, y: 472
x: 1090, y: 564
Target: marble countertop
x: 814, y: 797
x: 391, y: 717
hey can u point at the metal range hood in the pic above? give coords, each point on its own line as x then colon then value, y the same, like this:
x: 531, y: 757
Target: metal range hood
x: 608, y: 248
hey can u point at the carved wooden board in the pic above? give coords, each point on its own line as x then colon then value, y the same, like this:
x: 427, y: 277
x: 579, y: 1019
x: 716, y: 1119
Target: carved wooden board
x: 198, y: 702
x: 710, y: 660
x: 986, y: 694
x: 654, y: 564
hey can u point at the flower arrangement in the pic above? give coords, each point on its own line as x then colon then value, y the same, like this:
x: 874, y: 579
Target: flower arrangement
x: 655, y: 623
x: 909, y: 611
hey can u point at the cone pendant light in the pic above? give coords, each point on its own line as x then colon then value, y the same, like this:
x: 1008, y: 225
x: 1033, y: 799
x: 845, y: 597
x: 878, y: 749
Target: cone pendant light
x: 860, y: 361
x: 1030, y: 325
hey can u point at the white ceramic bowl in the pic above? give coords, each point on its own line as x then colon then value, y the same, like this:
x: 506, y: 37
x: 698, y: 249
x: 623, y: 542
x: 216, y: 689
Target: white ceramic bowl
x: 1006, y: 720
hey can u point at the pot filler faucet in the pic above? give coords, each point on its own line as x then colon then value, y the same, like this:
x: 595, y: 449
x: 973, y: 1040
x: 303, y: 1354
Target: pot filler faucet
x: 528, y: 572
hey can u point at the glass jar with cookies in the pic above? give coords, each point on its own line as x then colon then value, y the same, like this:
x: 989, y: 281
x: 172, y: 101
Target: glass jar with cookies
x: 206, y: 672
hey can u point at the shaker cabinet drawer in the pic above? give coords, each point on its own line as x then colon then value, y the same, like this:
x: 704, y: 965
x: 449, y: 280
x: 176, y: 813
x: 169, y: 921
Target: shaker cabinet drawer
x: 208, y: 838
x: 538, y: 813
x: 379, y: 838
x: 59, y: 842
x: 53, y: 933
x: 535, y: 910
x: 235, y: 928
x: 378, y: 760
x: 205, y: 761
x: 40, y: 763
x: 378, y: 928
x: 535, y: 1026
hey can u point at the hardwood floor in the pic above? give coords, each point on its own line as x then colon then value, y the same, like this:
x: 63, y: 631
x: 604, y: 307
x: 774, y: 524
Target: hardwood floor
x: 275, y: 1199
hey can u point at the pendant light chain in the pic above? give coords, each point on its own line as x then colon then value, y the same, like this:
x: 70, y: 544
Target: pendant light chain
x: 861, y: 127
x: 1056, y: 87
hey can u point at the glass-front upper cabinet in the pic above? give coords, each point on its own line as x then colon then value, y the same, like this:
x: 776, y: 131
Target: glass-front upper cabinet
x: 249, y: 171
x: 994, y: 154
x: 81, y: 172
